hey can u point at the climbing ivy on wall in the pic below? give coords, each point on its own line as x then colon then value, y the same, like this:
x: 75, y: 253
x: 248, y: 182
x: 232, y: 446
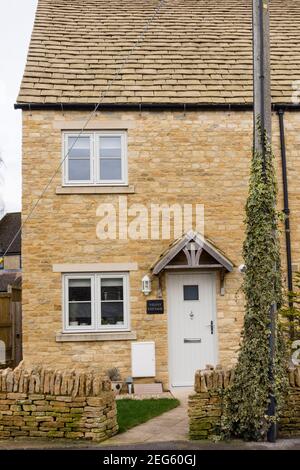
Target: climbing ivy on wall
x: 246, y: 400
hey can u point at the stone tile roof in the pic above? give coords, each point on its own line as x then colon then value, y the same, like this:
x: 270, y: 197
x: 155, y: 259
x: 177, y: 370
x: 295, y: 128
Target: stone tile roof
x: 197, y: 51
x: 9, y: 226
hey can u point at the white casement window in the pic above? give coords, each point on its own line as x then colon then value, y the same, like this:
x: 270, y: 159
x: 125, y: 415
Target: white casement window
x: 95, y: 158
x: 96, y: 302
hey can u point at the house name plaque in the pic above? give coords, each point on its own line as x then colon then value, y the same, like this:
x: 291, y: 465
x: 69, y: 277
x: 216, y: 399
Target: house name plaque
x: 155, y: 306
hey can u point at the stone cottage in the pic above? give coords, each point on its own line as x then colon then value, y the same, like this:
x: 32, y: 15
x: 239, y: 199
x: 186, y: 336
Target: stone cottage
x: 131, y: 257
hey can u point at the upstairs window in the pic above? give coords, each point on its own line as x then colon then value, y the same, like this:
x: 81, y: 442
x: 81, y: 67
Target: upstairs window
x: 95, y: 158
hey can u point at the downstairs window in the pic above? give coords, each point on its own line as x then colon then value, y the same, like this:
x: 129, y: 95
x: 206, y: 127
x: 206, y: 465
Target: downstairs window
x: 96, y: 302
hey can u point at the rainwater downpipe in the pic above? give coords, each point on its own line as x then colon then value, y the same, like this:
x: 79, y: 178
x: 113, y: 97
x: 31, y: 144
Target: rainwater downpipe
x: 286, y: 208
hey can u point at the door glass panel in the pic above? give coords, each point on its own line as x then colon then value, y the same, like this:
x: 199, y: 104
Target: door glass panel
x: 191, y: 292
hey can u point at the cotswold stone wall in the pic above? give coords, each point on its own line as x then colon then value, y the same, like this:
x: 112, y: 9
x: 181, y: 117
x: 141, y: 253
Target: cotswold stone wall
x: 290, y: 421
x: 55, y: 404
x: 205, y: 405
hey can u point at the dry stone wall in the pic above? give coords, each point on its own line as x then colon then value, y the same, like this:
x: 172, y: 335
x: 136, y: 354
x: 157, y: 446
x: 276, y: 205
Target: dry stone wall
x: 205, y: 405
x: 56, y: 404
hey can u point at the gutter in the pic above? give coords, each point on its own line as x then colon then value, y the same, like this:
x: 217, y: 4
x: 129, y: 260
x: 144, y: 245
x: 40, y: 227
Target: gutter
x: 286, y: 209
x: 150, y: 106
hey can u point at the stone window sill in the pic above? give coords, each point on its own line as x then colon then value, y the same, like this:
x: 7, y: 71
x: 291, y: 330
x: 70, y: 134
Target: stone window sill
x: 111, y: 336
x: 95, y: 189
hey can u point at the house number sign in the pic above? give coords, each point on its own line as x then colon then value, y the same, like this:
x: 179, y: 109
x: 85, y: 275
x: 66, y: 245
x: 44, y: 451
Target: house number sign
x: 155, y: 306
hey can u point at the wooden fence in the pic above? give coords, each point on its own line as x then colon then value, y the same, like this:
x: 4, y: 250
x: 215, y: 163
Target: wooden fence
x: 10, y: 328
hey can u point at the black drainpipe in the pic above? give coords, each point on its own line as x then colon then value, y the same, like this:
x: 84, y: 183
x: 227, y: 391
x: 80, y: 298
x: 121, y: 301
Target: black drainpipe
x: 286, y: 209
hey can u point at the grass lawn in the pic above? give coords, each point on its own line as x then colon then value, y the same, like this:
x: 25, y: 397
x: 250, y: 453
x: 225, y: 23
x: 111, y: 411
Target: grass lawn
x: 134, y: 412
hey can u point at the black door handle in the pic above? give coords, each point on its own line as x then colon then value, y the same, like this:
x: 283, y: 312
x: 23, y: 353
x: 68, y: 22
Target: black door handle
x: 212, y: 327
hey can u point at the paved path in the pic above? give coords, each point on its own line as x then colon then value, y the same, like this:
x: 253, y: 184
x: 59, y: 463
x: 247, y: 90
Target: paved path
x: 170, y: 426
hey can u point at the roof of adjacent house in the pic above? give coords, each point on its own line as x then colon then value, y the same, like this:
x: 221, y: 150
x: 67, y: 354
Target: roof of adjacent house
x: 196, y: 51
x: 9, y: 226
x: 10, y: 279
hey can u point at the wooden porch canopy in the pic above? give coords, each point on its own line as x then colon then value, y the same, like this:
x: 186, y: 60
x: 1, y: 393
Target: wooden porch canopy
x: 192, y: 251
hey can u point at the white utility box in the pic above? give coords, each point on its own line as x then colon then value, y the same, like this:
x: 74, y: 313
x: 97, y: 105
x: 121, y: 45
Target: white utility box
x: 143, y: 359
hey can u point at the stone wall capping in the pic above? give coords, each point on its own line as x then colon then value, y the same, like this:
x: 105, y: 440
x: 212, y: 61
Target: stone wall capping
x: 38, y: 381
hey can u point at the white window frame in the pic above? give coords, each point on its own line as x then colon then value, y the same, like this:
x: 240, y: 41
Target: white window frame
x: 95, y: 159
x: 123, y: 179
x: 66, y: 160
x: 68, y: 327
x: 95, y: 326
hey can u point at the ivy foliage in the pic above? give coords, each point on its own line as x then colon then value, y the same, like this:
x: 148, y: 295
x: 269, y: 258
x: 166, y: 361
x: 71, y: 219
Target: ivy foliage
x: 246, y: 400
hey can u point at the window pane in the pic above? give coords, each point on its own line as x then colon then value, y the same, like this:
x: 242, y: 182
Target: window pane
x: 112, y: 289
x: 79, y: 290
x: 110, y: 153
x: 79, y: 148
x: 80, y: 314
x: 190, y: 293
x: 110, y: 147
x: 79, y: 170
x: 110, y: 169
x: 112, y: 313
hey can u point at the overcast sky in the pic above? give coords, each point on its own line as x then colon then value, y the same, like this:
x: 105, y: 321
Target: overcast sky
x: 16, y: 21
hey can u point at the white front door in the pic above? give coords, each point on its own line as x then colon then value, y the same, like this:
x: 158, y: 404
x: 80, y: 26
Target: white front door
x: 192, y: 326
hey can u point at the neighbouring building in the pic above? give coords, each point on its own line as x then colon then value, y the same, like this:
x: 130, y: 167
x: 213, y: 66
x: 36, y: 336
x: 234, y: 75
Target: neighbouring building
x: 104, y: 283
x: 10, y: 290
x: 11, y: 263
